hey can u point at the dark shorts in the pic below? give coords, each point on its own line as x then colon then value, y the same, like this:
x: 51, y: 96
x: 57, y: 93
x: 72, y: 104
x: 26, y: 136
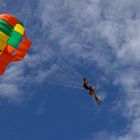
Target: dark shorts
x: 86, y: 87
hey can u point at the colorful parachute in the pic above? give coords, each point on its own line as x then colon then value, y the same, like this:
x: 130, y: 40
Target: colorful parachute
x: 13, y: 41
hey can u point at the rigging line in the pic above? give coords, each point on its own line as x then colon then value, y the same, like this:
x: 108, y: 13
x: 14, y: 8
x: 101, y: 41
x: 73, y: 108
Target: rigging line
x: 91, y: 82
x: 64, y: 81
x: 57, y: 67
x: 134, y: 91
x: 63, y: 72
x: 61, y: 59
x: 99, y: 89
x: 61, y: 82
x: 51, y: 62
x: 80, y: 76
x: 72, y: 81
x: 66, y: 67
x: 62, y: 77
x: 73, y: 75
x: 65, y: 85
x: 68, y: 83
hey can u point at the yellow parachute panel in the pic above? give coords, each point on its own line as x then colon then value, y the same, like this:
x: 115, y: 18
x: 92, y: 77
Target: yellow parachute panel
x: 19, y: 28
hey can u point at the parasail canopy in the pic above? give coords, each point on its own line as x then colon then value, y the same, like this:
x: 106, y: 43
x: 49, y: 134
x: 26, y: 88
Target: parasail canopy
x: 13, y: 41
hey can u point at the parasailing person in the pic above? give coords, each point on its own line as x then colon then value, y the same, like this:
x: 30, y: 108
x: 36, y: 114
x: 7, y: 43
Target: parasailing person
x: 91, y: 90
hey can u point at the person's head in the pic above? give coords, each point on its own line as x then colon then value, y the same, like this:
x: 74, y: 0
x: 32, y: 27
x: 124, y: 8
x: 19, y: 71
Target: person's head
x: 84, y: 79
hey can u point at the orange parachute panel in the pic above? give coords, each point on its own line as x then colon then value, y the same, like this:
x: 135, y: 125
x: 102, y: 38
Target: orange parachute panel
x: 9, y: 19
x: 5, y: 59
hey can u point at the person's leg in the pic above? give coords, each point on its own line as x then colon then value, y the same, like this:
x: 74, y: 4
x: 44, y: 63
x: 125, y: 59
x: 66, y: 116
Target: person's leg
x: 97, y: 100
x: 94, y: 97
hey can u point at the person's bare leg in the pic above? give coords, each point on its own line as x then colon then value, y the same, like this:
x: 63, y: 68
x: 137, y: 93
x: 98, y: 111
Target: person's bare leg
x: 97, y: 100
x: 94, y: 98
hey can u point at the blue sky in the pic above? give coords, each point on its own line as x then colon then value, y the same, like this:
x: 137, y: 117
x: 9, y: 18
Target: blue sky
x: 97, y: 39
